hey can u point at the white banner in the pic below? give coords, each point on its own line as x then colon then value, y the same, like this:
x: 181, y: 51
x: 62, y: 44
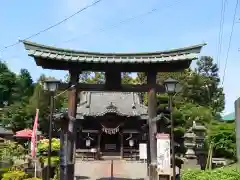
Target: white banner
x: 163, y: 153
x: 142, y: 151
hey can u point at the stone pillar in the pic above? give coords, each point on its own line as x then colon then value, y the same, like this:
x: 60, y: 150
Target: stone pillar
x: 152, y: 112
x: 72, y: 110
x: 237, y: 121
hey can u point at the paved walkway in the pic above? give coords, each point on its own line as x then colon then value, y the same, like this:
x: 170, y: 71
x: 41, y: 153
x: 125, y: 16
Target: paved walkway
x: 101, y: 170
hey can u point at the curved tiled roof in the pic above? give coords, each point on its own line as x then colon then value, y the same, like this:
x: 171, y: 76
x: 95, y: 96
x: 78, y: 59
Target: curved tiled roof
x: 52, y: 53
x: 102, y: 103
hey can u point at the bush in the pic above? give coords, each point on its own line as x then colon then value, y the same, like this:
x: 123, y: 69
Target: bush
x: 11, y: 149
x: 43, y: 145
x: 57, y: 173
x: 32, y: 179
x: 223, y: 137
x: 14, y: 175
x: 55, y: 160
x: 217, y: 174
x: 3, y: 171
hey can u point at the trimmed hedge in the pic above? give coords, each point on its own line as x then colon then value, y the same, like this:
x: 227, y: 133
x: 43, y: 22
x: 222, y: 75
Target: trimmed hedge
x: 216, y: 174
x: 15, y: 175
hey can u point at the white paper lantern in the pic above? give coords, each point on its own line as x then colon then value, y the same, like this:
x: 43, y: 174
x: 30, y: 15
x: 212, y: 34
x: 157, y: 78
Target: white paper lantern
x: 131, y: 143
x: 88, y: 142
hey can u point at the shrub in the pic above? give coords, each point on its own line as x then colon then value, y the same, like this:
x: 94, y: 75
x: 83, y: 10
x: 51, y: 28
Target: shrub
x: 14, y: 175
x: 55, y: 160
x: 33, y: 179
x: 223, y: 137
x: 43, y: 145
x: 2, y: 171
x: 11, y: 149
x: 57, y: 173
x: 217, y: 174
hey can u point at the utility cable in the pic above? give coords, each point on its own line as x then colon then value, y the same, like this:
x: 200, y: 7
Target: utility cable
x: 59, y: 94
x: 220, y: 34
x: 124, y: 21
x: 114, y: 25
x: 230, y: 41
x: 52, y: 26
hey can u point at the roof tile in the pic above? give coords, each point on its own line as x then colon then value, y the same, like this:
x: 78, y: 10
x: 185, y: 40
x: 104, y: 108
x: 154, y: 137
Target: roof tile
x: 41, y: 51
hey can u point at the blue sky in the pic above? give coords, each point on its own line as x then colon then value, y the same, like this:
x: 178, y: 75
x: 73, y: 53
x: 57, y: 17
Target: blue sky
x: 175, y: 23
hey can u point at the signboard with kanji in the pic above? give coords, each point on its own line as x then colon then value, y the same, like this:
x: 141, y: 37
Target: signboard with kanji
x: 163, y: 153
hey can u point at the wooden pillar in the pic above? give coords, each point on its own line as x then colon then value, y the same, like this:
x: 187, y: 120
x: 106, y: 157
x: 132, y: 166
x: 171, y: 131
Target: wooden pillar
x: 237, y: 122
x: 152, y: 105
x: 121, y: 148
x: 72, y: 110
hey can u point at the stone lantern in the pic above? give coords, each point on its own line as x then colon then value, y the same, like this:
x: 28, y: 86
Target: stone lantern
x: 195, y: 147
x: 189, y: 143
x: 200, y: 132
x: 200, y: 150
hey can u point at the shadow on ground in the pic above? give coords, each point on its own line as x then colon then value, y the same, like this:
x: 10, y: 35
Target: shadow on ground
x: 120, y: 178
x: 81, y: 177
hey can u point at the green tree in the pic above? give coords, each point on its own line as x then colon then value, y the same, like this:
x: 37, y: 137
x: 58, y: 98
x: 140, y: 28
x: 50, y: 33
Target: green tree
x: 202, y: 86
x: 223, y: 137
x: 7, y: 83
x: 126, y: 78
x: 209, y: 70
x: 23, y: 88
x: 41, y: 100
x: 14, y: 115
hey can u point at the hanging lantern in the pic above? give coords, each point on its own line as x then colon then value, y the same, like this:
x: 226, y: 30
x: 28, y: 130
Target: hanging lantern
x: 88, y: 142
x: 131, y: 143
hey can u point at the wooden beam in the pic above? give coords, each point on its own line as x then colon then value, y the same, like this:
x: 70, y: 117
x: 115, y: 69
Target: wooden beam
x: 123, y: 88
x: 113, y: 79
